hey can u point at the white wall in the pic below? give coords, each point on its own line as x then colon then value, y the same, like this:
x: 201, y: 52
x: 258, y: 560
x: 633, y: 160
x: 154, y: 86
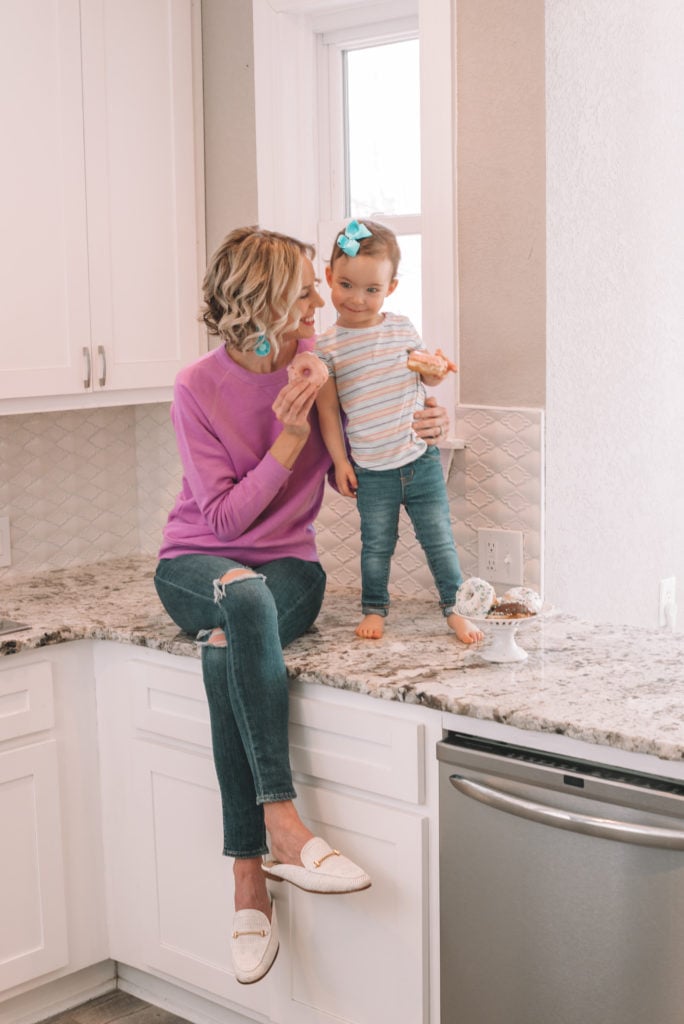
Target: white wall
x: 615, y: 293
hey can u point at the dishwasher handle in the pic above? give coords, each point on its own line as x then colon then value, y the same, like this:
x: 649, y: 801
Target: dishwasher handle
x: 604, y: 828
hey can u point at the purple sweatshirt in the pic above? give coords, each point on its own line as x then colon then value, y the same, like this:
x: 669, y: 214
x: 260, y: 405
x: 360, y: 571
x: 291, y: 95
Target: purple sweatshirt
x: 237, y: 501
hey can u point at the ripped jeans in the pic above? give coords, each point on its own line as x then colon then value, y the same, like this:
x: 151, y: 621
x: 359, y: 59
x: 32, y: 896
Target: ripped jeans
x: 242, y: 623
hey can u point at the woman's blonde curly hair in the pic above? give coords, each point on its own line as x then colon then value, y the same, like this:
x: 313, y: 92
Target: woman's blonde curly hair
x: 251, y: 285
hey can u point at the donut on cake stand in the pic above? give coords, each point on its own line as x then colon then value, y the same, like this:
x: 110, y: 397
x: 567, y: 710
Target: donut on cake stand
x: 499, y: 618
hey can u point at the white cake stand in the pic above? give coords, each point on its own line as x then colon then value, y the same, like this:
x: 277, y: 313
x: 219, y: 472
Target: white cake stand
x: 502, y: 647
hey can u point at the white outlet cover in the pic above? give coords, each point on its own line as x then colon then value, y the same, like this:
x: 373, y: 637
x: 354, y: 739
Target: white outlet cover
x: 500, y: 556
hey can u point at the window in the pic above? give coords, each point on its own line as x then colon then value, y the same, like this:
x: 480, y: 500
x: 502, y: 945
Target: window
x: 309, y: 54
x: 382, y: 129
x: 382, y: 154
x: 373, y: 114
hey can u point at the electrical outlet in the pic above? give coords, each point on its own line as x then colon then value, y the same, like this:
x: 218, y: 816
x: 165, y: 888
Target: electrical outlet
x: 667, y: 607
x: 500, y: 555
x: 5, y: 550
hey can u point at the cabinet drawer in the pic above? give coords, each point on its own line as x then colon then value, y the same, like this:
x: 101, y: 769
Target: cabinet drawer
x: 26, y: 701
x: 171, y: 702
x: 364, y: 749
x: 368, y: 750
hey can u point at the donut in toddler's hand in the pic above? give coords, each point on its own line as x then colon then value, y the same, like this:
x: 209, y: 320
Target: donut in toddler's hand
x: 437, y: 365
x: 475, y: 597
x: 307, y: 366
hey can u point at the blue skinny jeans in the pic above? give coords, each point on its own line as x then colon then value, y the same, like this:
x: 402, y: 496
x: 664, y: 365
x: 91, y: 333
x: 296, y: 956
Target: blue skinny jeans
x: 420, y: 487
x: 242, y: 625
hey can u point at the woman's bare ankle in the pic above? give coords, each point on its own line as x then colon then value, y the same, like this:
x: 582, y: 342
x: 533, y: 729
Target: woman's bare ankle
x: 287, y: 831
x: 250, y: 892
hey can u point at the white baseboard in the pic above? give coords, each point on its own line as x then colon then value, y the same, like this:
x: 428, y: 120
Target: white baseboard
x: 170, y: 997
x: 60, y: 995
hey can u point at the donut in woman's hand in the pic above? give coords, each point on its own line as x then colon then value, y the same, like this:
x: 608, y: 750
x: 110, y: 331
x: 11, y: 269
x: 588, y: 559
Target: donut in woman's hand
x: 307, y: 366
x: 475, y: 597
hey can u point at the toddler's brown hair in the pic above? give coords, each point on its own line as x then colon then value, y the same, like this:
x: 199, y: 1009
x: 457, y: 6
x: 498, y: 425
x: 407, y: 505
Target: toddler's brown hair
x: 382, y: 244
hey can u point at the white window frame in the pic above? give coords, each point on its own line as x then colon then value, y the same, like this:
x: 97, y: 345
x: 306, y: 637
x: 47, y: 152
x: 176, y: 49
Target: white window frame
x: 331, y: 47
x: 299, y: 193
x: 332, y: 156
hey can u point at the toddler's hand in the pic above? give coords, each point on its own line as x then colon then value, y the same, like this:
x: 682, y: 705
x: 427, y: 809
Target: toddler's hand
x: 346, y: 481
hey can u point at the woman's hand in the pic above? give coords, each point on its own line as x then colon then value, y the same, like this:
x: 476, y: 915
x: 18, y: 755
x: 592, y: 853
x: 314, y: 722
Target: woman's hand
x: 431, y: 423
x: 292, y: 407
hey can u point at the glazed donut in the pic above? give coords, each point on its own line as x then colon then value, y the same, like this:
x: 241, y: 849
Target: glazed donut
x: 475, y: 597
x: 530, y: 599
x: 307, y: 366
x: 437, y: 365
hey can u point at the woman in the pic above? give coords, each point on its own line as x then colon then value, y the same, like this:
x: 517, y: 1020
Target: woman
x: 238, y: 564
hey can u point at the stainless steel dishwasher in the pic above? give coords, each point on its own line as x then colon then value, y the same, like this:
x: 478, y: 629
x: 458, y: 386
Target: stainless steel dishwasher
x: 561, y: 887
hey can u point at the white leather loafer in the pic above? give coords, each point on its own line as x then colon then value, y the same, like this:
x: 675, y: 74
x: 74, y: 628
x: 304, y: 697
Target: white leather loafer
x: 254, y: 944
x: 323, y: 870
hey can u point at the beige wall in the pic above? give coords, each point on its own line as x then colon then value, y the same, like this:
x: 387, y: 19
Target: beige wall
x: 229, y: 126
x: 501, y: 201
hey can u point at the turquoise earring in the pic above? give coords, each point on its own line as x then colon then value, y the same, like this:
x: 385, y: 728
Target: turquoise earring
x: 264, y: 346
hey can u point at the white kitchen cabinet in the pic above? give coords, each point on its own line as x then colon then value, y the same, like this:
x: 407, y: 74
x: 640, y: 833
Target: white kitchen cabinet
x: 360, y: 957
x: 169, y: 887
x: 100, y: 198
x: 51, y: 874
x: 360, y: 782
x: 31, y: 873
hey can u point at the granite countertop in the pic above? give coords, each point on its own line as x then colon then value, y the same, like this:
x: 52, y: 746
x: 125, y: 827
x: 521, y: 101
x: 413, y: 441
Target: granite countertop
x: 612, y: 685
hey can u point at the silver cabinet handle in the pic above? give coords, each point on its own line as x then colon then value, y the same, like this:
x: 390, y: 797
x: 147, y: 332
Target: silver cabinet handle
x: 604, y: 828
x: 86, y: 368
x: 102, y: 379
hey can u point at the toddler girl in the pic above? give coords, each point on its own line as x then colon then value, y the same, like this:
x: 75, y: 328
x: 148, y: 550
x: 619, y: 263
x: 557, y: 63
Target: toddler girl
x: 366, y: 352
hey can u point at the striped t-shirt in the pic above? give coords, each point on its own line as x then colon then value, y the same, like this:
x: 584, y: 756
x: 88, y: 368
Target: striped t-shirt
x: 377, y: 391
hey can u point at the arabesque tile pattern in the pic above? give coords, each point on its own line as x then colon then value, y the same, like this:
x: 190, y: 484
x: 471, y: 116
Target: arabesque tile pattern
x: 90, y: 484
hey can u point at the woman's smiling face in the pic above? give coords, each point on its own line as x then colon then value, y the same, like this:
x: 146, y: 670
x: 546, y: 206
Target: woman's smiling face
x: 306, y: 305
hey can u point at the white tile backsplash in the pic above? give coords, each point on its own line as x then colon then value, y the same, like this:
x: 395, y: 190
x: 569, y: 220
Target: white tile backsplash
x: 68, y: 485
x: 495, y: 482
x: 91, y: 484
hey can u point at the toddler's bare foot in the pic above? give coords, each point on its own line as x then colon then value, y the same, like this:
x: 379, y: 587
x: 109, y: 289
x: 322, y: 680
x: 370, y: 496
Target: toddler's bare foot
x: 371, y: 627
x: 464, y: 629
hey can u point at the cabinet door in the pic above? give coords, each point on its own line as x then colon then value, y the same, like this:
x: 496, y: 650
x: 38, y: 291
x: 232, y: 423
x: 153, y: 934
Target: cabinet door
x: 141, y: 189
x: 31, y: 871
x: 362, y: 957
x: 185, y: 882
x: 44, y: 302
x: 100, y: 195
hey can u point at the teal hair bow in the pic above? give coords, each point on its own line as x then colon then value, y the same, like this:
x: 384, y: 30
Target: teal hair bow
x: 349, y: 241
